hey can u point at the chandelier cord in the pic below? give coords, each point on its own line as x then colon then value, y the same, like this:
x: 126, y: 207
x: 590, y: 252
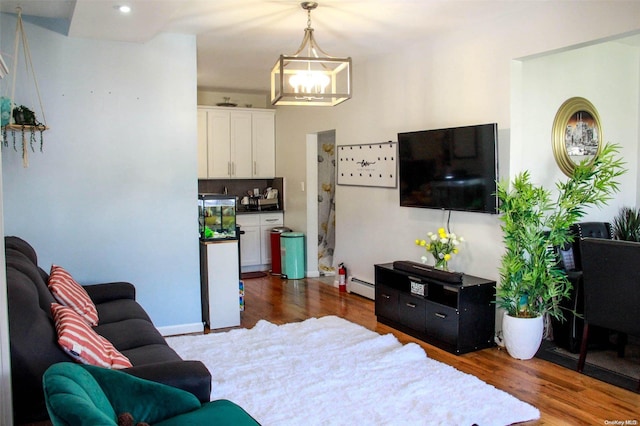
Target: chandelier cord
x: 309, y: 31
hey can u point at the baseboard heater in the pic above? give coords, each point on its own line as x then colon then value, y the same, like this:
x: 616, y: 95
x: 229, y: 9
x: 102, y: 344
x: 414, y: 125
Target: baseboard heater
x: 361, y: 287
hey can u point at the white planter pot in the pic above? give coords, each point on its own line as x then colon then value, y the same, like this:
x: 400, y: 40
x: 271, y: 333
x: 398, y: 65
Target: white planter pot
x: 522, y: 336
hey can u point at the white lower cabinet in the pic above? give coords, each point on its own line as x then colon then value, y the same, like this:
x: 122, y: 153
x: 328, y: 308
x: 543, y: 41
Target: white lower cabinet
x: 255, y: 243
x: 249, y: 239
x: 219, y: 283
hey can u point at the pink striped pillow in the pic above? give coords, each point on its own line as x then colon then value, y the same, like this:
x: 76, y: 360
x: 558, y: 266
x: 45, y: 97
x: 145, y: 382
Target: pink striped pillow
x: 69, y: 293
x: 82, y: 342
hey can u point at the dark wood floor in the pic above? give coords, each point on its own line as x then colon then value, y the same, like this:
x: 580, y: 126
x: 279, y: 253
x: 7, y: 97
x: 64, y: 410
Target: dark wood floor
x: 563, y: 396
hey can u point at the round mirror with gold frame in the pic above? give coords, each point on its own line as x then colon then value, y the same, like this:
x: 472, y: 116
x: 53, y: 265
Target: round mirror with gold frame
x: 577, y: 134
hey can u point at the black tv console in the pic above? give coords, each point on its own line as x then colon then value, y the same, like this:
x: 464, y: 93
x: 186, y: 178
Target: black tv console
x: 455, y: 312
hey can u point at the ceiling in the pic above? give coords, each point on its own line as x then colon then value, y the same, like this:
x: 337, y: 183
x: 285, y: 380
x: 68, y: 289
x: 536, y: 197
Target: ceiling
x: 238, y: 41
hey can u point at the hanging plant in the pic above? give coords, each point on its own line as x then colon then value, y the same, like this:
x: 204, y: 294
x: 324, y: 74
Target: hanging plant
x: 24, y: 116
x: 24, y: 120
x: 20, y: 118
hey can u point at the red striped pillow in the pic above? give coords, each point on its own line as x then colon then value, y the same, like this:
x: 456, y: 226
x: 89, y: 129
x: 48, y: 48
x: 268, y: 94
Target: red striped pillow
x: 69, y: 293
x: 82, y: 342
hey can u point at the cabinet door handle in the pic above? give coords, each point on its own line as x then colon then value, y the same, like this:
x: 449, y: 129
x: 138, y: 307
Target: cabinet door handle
x: 255, y: 167
x: 410, y: 305
x: 272, y: 220
x: 385, y: 296
x: 233, y: 168
x: 439, y: 315
x: 229, y: 168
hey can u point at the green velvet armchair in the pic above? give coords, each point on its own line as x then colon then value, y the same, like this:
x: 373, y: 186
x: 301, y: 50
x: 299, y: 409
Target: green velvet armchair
x: 79, y: 395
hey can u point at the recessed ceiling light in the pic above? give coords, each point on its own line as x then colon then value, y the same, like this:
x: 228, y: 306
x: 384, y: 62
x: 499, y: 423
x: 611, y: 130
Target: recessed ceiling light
x: 123, y: 8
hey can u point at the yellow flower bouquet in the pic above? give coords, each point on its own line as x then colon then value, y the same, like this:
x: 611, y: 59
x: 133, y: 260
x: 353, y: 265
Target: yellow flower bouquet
x: 441, y: 246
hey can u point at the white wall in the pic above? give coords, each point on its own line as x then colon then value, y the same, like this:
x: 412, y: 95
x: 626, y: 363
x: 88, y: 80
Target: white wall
x: 458, y: 79
x: 113, y: 196
x: 607, y: 75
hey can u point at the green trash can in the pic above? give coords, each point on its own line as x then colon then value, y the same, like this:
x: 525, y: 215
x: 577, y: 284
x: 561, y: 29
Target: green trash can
x: 292, y: 255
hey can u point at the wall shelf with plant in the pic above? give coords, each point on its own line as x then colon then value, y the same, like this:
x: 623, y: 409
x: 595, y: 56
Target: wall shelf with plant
x: 20, y: 119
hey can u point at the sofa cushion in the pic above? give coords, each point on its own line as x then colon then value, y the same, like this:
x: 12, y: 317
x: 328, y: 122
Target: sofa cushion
x: 106, y: 292
x: 69, y: 293
x: 151, y: 354
x: 82, y: 343
x: 131, y: 333
x: 18, y: 261
x: 22, y: 246
x: 120, y: 310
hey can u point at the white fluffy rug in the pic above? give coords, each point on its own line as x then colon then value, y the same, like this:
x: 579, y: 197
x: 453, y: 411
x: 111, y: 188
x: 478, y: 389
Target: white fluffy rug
x: 329, y: 371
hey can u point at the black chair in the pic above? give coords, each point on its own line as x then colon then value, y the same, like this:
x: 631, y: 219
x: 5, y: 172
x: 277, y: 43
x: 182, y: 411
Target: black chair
x: 568, y: 334
x: 611, y: 278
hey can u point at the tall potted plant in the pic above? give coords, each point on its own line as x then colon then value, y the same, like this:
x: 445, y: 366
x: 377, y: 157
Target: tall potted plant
x: 531, y: 282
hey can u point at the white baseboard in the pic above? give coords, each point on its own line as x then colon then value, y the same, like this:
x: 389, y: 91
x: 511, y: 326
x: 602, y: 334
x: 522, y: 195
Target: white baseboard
x: 255, y: 268
x: 172, y: 330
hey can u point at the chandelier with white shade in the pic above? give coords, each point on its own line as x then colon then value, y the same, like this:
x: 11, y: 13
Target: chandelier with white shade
x: 310, y: 76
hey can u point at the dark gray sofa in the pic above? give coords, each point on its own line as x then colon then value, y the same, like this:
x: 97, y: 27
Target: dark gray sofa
x: 122, y: 321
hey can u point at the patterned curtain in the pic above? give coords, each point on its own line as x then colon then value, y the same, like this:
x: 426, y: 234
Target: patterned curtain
x: 326, y: 205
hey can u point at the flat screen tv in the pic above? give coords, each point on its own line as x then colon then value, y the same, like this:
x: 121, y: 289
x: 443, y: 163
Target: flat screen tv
x: 450, y: 169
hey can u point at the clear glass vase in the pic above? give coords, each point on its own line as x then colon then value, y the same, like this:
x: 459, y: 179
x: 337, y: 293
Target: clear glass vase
x: 442, y: 264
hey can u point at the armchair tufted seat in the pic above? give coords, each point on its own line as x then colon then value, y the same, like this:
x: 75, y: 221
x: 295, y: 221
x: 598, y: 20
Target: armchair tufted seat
x: 83, y: 395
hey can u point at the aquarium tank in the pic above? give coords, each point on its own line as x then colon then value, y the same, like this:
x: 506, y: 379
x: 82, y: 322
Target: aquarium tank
x: 217, y: 217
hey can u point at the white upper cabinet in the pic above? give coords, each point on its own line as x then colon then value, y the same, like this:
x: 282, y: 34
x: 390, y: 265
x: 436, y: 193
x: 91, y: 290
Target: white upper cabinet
x: 241, y: 135
x: 239, y: 143
x: 218, y: 144
x: 264, y: 144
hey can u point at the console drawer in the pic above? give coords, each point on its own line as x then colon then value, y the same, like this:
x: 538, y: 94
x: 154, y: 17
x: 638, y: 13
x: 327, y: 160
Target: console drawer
x: 387, y: 302
x: 412, y: 311
x: 442, y: 322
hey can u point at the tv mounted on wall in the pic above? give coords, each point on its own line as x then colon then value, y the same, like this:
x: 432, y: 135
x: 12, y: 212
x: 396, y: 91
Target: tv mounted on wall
x: 450, y: 169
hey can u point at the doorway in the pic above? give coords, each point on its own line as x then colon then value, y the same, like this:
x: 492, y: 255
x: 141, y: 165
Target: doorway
x: 326, y: 187
x: 320, y: 200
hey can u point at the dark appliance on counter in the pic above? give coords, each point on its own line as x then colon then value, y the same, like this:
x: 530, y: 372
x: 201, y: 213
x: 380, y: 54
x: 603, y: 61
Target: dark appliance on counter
x: 260, y: 202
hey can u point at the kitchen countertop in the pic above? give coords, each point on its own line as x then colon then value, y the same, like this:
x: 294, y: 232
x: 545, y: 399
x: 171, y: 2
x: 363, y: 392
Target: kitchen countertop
x: 245, y: 211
